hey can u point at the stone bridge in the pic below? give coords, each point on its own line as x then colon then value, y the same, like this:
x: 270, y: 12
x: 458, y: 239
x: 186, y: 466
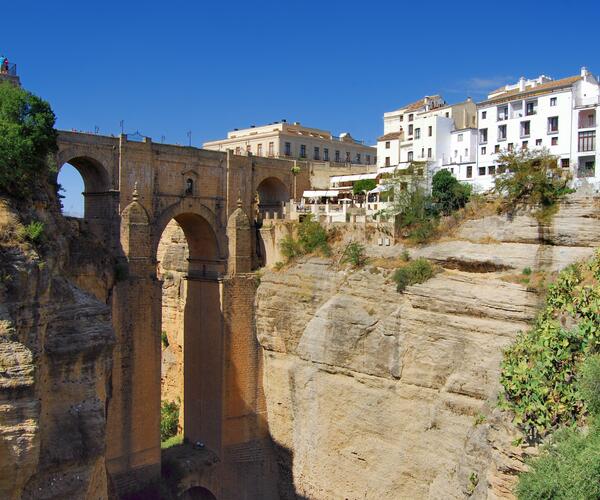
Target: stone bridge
x: 133, y: 190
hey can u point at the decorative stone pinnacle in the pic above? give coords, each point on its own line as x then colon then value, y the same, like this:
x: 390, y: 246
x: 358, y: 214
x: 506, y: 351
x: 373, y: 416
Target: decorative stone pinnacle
x: 239, y: 202
x: 135, y: 192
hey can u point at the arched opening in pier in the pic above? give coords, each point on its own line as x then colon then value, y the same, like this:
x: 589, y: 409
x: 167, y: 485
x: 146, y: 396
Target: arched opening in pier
x: 190, y: 269
x: 272, y: 194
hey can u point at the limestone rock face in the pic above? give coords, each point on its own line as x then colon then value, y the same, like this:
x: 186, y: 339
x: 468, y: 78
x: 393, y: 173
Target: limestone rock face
x: 377, y: 394
x: 55, y: 358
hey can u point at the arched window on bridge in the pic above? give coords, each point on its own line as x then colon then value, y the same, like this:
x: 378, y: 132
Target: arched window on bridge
x: 71, y: 188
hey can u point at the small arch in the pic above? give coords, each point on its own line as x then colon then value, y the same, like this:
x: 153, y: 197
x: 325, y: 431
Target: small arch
x: 70, y: 190
x: 272, y: 194
x: 96, y: 184
x: 189, y: 186
x: 198, y: 493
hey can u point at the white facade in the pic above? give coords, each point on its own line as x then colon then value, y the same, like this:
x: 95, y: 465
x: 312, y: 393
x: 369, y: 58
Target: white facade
x: 294, y: 141
x: 422, y: 131
x: 560, y: 116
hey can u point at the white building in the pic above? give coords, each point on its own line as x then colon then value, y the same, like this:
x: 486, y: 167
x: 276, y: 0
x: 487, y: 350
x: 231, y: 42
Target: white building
x: 559, y: 115
x: 294, y: 141
x: 423, y: 131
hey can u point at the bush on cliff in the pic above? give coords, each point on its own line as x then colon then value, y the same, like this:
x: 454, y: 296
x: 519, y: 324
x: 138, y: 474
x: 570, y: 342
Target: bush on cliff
x: 568, y: 466
x: 448, y: 193
x: 540, y: 370
x: 531, y: 179
x: 311, y: 238
x: 416, y: 271
x: 27, y: 141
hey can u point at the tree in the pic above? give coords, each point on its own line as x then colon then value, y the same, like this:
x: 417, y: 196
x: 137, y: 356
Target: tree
x: 363, y: 186
x: 530, y: 179
x: 27, y: 139
x: 448, y: 193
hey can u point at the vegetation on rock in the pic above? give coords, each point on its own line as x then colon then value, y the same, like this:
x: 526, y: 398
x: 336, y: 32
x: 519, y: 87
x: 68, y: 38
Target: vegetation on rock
x: 540, y: 369
x: 169, y: 419
x: 355, y: 255
x: 311, y: 238
x: 448, y: 193
x: 27, y: 141
x: 569, y: 465
x: 531, y: 179
x: 416, y: 271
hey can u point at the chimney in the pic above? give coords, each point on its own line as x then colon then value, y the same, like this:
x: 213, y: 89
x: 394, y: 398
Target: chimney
x: 584, y: 72
x: 521, y: 84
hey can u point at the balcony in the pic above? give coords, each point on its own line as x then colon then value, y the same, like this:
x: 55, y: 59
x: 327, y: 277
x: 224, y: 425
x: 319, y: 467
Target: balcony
x: 9, y: 69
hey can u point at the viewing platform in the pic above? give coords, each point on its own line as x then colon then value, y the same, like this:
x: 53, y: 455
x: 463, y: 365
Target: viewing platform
x: 8, y: 73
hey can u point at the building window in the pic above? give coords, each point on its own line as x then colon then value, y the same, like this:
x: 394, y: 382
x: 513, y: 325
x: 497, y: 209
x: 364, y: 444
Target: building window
x: 271, y: 148
x: 337, y: 156
x: 501, y: 132
x: 481, y: 170
x: 483, y: 135
x: 302, y: 150
x: 587, y: 141
x: 316, y: 154
x: 502, y: 113
x: 469, y: 171
x: 483, y: 115
x: 538, y: 142
x: 483, y: 150
x: 410, y: 156
x: 492, y: 170
x: 564, y: 163
x: 326, y: 154
x: 410, y: 117
x: 553, y: 124
x: 510, y: 146
x: 525, y: 129
x: 249, y: 148
x: 530, y: 108
x: 347, y: 157
x: 460, y: 138
x: 410, y: 129
x: 357, y: 157
x: 259, y: 150
x: 554, y: 141
x: 387, y: 144
x: 288, y: 149
x: 525, y: 144
x: 387, y: 161
x: 497, y: 148
x: 417, y: 133
x: 430, y: 131
x: 422, y: 152
x: 553, y: 101
x: 238, y: 150
x: 368, y: 159
x: 401, y: 117
x: 466, y: 151
x: 447, y: 114
x: 429, y: 152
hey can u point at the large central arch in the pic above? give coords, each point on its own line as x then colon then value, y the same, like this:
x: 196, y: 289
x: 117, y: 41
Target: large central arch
x: 202, y: 322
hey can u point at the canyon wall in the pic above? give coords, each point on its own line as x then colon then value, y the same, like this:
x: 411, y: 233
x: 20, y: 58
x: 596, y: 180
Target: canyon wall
x: 378, y: 394
x: 56, y: 344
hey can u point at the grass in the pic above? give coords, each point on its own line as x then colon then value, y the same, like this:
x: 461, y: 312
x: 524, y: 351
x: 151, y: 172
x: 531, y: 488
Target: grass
x: 172, y: 441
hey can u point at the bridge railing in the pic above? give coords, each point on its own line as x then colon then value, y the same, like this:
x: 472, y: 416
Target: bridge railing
x: 8, y: 69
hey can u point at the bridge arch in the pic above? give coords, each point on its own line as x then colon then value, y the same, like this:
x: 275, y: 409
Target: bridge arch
x: 96, y: 181
x: 196, y: 331
x: 272, y: 193
x: 198, y: 493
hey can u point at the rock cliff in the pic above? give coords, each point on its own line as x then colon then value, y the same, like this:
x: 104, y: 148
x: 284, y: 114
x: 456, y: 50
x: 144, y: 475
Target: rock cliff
x: 55, y: 356
x: 377, y: 394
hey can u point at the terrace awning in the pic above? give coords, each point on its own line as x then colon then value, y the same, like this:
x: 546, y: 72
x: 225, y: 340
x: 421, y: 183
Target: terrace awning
x: 352, y: 178
x: 319, y: 194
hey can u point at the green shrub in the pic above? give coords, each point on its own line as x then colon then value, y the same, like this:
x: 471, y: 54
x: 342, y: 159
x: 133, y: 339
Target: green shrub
x: 526, y: 271
x: 27, y: 140
x: 312, y: 237
x: 405, y: 255
x: 423, y: 231
x: 363, y: 186
x: 355, y: 255
x: 164, y: 339
x: 448, y: 193
x: 32, y: 232
x: 531, y: 178
x: 589, y: 383
x: 540, y: 368
x: 169, y: 419
x: 417, y: 271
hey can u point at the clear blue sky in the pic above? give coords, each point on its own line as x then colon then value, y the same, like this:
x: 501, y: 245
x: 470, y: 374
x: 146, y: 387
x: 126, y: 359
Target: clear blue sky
x: 169, y: 67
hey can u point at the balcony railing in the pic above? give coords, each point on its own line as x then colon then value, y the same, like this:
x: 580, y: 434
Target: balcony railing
x: 8, y: 69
